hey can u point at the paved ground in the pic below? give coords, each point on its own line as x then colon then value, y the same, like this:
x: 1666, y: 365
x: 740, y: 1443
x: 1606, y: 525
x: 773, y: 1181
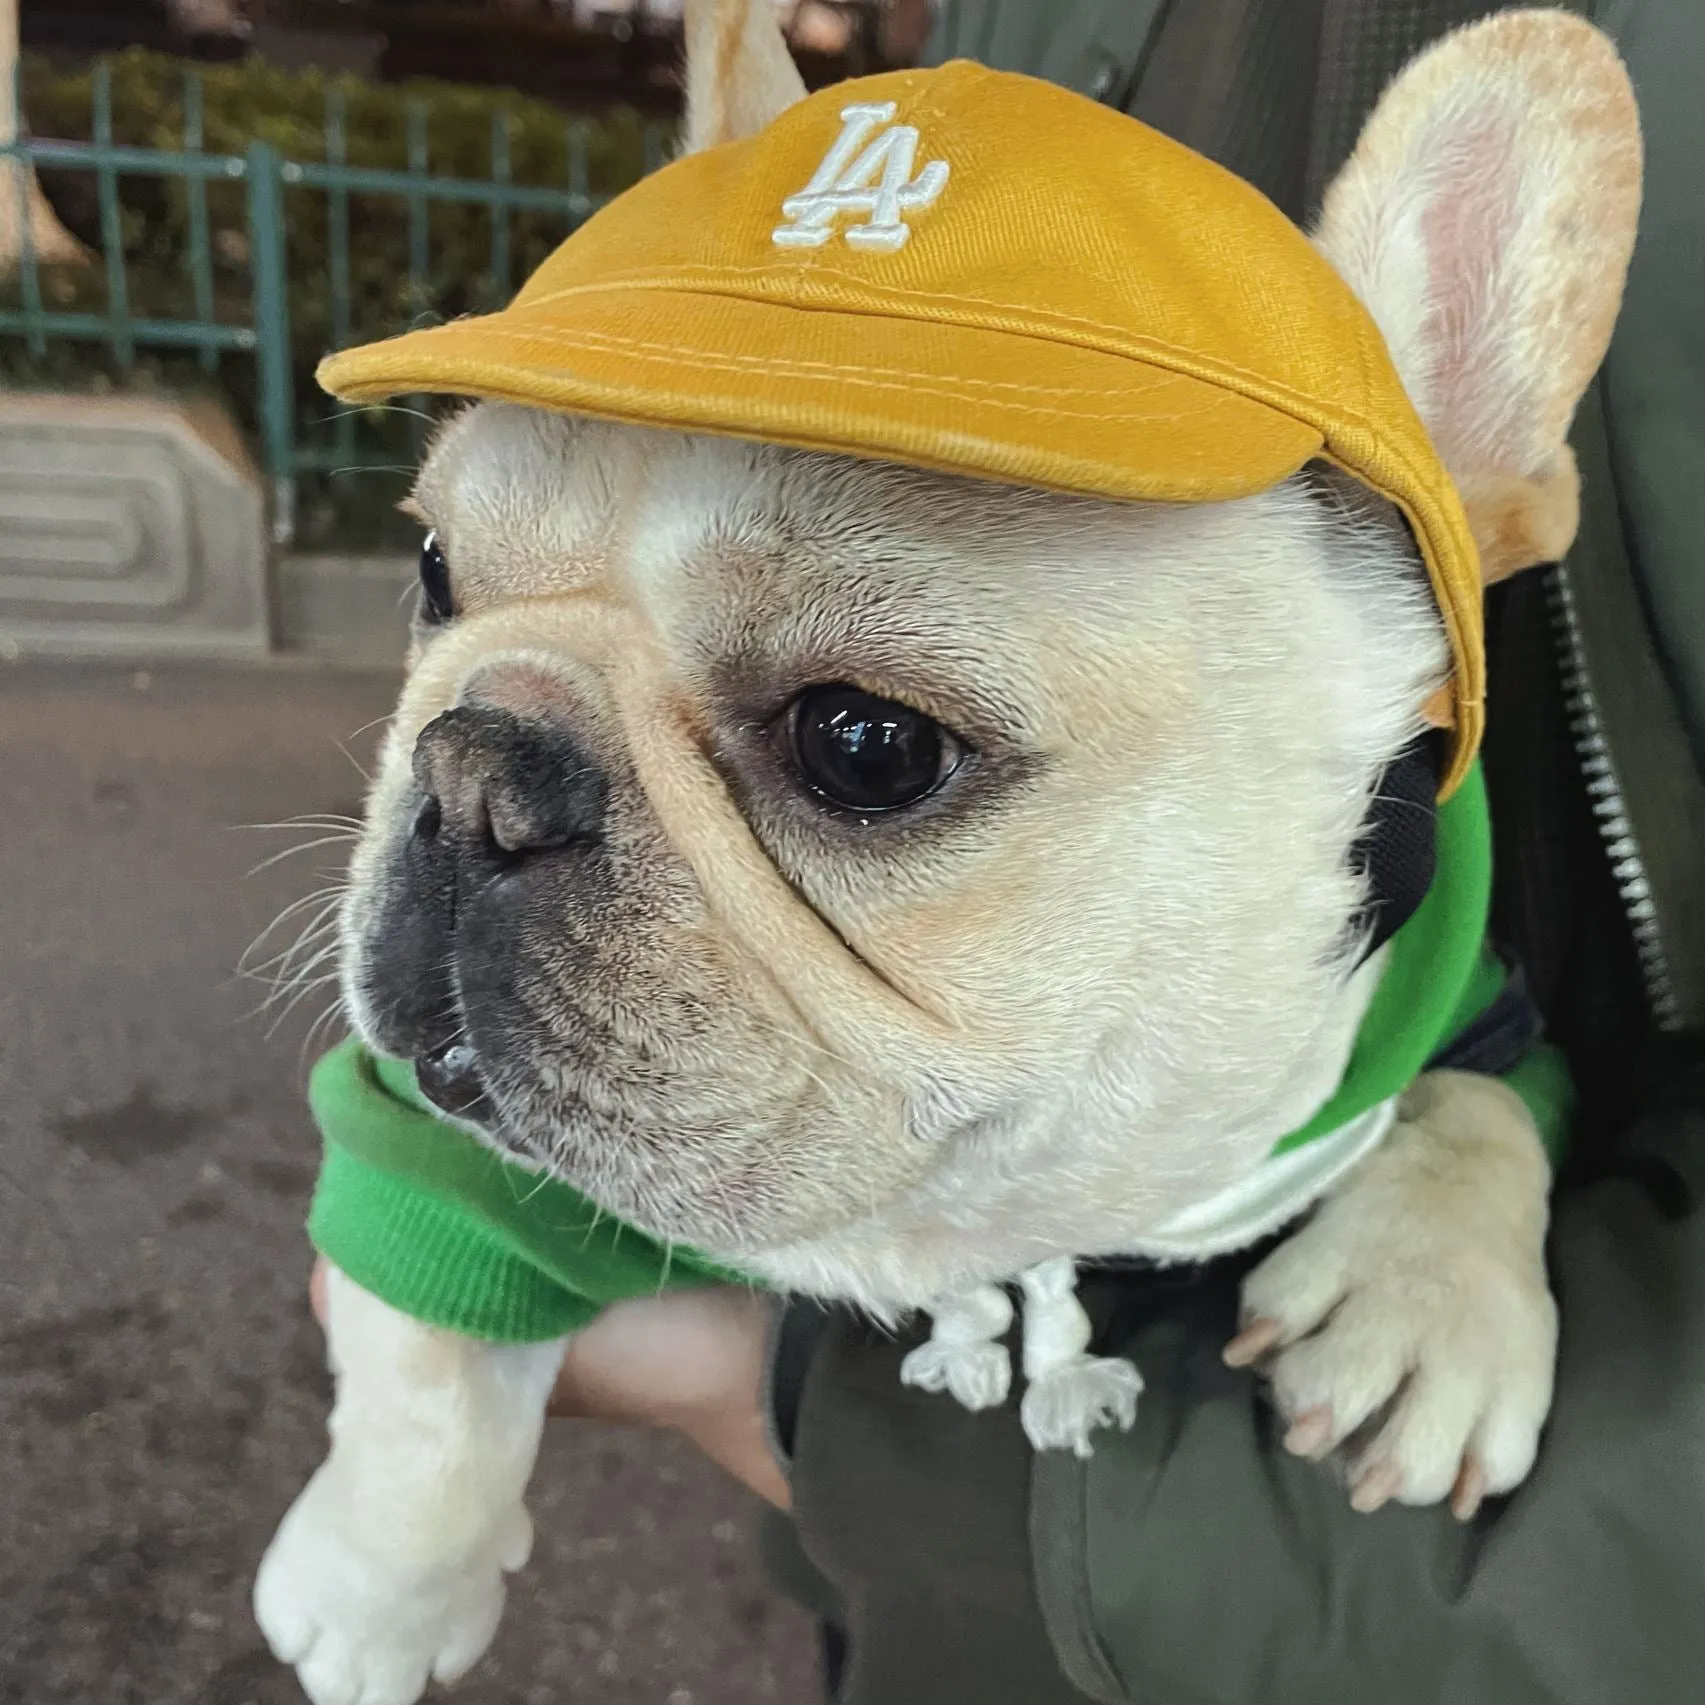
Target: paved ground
x: 161, y: 1389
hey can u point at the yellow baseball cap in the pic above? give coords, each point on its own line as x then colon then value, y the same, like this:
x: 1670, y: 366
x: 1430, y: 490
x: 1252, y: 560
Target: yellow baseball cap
x: 978, y: 272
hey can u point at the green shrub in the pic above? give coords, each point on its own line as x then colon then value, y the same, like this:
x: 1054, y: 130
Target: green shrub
x: 256, y: 101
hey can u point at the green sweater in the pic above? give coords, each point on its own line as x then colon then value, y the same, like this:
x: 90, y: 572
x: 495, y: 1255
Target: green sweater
x: 421, y: 1214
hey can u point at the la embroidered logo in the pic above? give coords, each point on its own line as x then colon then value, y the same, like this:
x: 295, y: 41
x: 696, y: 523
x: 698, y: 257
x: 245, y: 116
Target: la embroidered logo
x: 876, y: 183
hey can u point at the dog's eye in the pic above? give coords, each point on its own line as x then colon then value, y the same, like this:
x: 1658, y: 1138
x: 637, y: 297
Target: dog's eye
x: 864, y: 753
x: 437, y: 604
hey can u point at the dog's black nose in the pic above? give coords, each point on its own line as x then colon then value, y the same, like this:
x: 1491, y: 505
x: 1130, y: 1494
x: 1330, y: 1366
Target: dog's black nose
x: 497, y: 781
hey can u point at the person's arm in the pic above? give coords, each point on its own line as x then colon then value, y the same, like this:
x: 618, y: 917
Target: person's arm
x: 692, y: 1360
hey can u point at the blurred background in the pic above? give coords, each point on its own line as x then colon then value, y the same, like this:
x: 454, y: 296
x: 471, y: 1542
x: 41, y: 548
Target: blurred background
x: 202, y: 588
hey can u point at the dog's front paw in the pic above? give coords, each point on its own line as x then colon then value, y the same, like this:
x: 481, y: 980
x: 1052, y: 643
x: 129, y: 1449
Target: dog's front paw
x: 1411, y: 1318
x: 978, y: 1375
x: 1068, y: 1403
x: 361, y: 1631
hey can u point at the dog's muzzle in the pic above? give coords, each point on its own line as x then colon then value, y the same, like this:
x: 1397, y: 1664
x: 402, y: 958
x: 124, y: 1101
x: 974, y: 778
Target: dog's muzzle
x: 499, y: 796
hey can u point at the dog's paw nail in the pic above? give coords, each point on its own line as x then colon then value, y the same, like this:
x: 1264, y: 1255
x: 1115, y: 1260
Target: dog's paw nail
x: 1252, y: 1343
x: 1376, y: 1488
x: 1310, y: 1434
x: 1469, y: 1492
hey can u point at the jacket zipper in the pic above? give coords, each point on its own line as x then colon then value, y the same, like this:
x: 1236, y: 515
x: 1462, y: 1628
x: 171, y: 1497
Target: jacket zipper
x: 1610, y: 812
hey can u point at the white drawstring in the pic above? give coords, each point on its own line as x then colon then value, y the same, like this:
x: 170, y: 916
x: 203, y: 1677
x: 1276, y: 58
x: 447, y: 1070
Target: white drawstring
x: 1069, y: 1394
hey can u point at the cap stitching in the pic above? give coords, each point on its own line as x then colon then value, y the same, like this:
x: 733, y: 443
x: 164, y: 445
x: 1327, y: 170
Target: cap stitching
x: 1283, y: 393
x: 797, y: 365
x: 878, y: 378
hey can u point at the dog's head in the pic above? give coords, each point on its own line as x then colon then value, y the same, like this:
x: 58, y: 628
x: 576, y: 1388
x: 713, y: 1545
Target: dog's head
x: 771, y: 841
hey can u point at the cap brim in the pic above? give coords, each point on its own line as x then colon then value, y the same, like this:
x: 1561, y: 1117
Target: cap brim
x: 975, y: 400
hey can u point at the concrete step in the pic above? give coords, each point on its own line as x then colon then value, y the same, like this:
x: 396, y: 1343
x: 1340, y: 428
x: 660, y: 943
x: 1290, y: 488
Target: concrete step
x: 129, y: 526
x: 134, y: 528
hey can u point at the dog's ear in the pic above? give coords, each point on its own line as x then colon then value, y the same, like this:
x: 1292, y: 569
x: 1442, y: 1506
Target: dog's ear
x: 1485, y: 219
x: 739, y: 71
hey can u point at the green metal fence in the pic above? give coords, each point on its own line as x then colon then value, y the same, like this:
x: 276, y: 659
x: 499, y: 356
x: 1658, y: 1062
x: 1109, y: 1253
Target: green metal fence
x: 264, y: 332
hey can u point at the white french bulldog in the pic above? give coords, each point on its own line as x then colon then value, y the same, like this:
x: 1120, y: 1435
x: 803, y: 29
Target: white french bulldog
x: 756, y: 1066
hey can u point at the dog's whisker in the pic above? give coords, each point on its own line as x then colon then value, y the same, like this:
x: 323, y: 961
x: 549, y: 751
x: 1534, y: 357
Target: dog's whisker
x: 313, y: 819
x: 324, y: 910
x: 360, y: 769
x: 376, y: 408
x: 322, y: 1026
x: 306, y: 846
x: 546, y: 1173
x: 297, y: 966
x: 316, y: 931
x: 326, y: 899
x: 332, y: 888
x: 282, y: 966
x: 333, y: 832
x: 283, y: 973
x: 355, y: 734
x: 292, y: 975
x: 275, y: 1013
x: 1425, y: 808
x: 296, y: 1000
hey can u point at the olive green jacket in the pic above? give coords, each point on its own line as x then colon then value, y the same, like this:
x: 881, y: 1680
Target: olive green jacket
x: 1192, y: 1561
